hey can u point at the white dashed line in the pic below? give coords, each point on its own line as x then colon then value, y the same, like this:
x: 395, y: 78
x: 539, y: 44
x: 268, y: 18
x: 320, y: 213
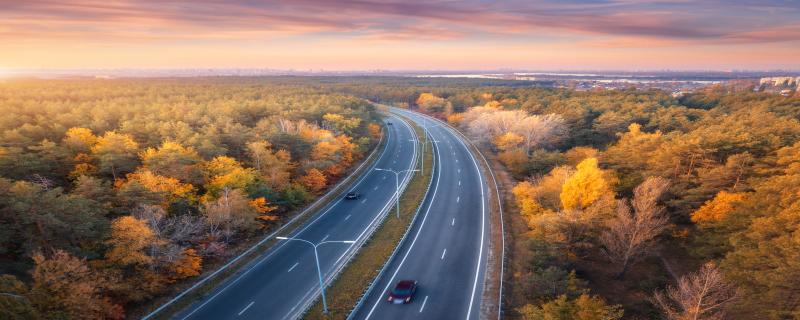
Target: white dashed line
x: 347, y: 217
x: 247, y: 307
x: 326, y: 237
x: 453, y: 223
x: 443, y: 252
x: 423, y: 304
x: 459, y: 182
x: 459, y: 170
x: 376, y: 188
x: 365, y: 200
x: 458, y: 199
x: 293, y: 266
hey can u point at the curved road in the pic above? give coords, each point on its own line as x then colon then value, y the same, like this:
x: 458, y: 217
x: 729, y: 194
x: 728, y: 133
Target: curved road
x: 280, y: 284
x: 447, y: 248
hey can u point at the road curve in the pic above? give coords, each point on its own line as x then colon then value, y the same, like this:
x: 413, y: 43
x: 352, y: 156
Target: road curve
x: 447, y: 249
x: 281, y: 283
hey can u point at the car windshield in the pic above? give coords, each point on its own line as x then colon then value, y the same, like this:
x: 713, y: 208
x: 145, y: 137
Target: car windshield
x: 403, y: 291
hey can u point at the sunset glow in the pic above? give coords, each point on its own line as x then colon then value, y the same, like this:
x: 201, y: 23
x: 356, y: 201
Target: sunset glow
x: 378, y: 34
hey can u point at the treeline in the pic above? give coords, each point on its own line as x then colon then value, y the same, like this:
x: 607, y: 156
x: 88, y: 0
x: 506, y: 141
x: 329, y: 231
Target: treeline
x: 111, y: 191
x: 637, y: 202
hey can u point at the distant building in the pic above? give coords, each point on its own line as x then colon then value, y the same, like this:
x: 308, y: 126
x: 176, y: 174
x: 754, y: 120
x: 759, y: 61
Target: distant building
x: 780, y: 81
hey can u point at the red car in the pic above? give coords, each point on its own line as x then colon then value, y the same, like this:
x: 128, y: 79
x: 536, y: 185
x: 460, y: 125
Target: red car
x: 403, y: 292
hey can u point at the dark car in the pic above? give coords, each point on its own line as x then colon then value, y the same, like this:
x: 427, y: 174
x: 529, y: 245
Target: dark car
x: 403, y: 292
x: 388, y: 123
x: 352, y: 195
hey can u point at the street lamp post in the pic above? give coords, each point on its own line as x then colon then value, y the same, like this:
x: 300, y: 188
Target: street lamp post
x: 397, y: 184
x: 316, y: 258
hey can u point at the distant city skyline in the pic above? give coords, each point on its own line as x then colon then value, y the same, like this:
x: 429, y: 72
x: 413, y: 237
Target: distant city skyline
x: 402, y: 35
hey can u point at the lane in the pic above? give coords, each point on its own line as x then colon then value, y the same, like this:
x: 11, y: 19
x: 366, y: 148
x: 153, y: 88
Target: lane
x: 284, y: 280
x: 448, y: 244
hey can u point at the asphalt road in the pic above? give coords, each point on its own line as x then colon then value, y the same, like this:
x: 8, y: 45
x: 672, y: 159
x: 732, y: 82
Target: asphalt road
x: 279, y: 284
x: 447, y: 248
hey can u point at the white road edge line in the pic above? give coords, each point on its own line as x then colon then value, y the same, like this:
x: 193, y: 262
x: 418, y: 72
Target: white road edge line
x: 293, y: 266
x: 245, y: 308
x: 423, y: 304
x: 443, y: 253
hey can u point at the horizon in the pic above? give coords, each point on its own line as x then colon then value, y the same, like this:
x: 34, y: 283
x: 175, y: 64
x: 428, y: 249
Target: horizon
x: 367, y: 35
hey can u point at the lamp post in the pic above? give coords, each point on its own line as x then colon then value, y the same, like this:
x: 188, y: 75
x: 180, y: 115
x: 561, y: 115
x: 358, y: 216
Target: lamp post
x: 319, y: 271
x: 397, y: 184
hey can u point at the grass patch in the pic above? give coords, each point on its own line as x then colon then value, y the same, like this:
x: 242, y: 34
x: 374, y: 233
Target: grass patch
x: 351, y: 283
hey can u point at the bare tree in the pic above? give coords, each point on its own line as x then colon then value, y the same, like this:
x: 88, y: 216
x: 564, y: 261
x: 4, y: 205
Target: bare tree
x: 630, y: 233
x: 537, y: 129
x: 700, y: 295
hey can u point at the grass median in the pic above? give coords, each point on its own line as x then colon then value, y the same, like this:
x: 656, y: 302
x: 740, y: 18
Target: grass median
x: 345, y: 291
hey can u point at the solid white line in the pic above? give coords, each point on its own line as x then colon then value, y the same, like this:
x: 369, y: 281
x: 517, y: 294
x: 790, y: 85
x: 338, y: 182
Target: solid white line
x: 423, y: 304
x: 293, y: 266
x: 325, y: 238
x: 347, y: 217
x: 453, y: 223
x: 413, y: 241
x: 245, y: 308
x: 443, y: 252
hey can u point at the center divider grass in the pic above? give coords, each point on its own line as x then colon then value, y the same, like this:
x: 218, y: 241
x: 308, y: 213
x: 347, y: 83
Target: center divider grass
x: 345, y: 291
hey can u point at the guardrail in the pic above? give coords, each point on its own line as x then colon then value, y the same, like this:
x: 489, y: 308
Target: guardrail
x: 310, y: 298
x: 400, y: 243
x: 324, y: 200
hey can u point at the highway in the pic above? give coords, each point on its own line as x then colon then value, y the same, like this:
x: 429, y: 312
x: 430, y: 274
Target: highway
x: 281, y: 283
x: 446, y: 250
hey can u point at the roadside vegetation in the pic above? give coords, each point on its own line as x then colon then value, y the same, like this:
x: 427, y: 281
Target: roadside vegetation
x: 637, y: 204
x: 115, y: 192
x: 351, y: 284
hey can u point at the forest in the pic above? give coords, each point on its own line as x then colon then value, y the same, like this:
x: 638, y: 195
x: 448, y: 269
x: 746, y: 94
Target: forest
x: 113, y: 191
x: 636, y: 204
x: 622, y: 204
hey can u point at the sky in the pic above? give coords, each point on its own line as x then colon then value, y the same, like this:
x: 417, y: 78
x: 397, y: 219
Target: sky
x: 402, y: 34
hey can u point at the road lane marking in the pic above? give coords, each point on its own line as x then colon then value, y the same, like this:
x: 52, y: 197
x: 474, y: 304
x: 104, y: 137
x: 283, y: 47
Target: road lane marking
x: 365, y: 200
x: 459, y: 182
x: 376, y: 188
x: 458, y: 199
x: 459, y: 170
x: 247, y: 307
x: 347, y: 217
x: 456, y: 160
x: 423, y: 304
x: 453, y: 223
x: 384, y: 178
x: 293, y: 266
x: 443, y: 252
x: 325, y: 238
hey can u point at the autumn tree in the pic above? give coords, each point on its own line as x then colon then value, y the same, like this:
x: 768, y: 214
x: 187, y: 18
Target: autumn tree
x: 431, y: 103
x: 704, y: 294
x: 130, y: 238
x: 168, y: 189
x: 340, y: 123
x: 314, y: 180
x: 79, y: 140
x: 64, y: 286
x: 275, y: 166
x: 631, y: 233
x: 584, y: 307
x: 117, y: 153
x: 584, y: 187
x: 173, y: 160
x: 226, y: 173
x: 230, y: 213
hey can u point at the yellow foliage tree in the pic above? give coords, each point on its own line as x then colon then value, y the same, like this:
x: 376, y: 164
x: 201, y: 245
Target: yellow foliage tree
x: 314, y: 180
x: 584, y: 187
x: 263, y: 208
x: 374, y: 131
x: 129, y: 239
x: 188, y: 265
x: 79, y: 140
x: 170, y: 189
x: 717, y: 209
x: 508, y: 141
